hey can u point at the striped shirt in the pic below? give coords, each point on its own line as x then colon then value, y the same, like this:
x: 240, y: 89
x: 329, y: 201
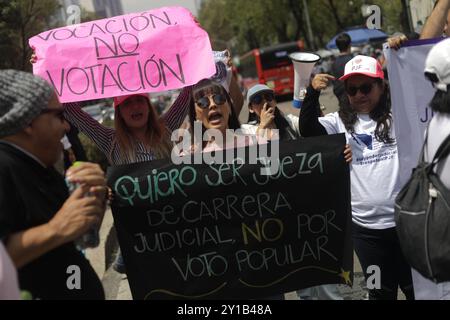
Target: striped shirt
x: 104, y: 137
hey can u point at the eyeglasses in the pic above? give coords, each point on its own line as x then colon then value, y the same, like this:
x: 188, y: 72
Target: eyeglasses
x: 258, y: 98
x: 365, y: 89
x: 205, y: 102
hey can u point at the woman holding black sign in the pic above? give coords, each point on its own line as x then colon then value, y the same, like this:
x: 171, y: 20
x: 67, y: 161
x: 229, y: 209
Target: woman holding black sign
x: 365, y: 118
x: 263, y: 106
x: 139, y: 134
x: 212, y: 106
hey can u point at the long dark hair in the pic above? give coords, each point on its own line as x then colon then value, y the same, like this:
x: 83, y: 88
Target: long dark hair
x: 203, y: 88
x: 381, y: 114
x: 441, y: 101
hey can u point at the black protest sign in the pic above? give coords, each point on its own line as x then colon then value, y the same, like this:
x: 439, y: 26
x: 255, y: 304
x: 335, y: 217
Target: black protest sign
x: 226, y: 231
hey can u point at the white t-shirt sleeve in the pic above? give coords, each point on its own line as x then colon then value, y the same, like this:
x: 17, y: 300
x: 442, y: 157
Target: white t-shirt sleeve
x: 331, y: 123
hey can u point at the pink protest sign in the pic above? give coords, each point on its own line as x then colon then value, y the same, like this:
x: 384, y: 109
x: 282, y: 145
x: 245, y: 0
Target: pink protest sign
x: 151, y: 51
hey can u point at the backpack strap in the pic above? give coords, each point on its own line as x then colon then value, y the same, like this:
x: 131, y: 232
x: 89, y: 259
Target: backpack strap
x: 425, y: 143
x: 443, y: 151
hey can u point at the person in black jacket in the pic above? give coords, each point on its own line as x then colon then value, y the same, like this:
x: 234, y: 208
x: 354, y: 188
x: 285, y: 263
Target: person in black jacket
x: 344, y: 44
x: 39, y: 221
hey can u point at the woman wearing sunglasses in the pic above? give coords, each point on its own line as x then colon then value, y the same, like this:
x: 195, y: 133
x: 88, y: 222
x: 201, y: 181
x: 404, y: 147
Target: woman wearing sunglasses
x: 212, y: 106
x: 365, y: 118
x: 262, y: 104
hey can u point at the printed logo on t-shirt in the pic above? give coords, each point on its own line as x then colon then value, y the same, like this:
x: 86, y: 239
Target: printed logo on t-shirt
x: 364, y: 138
x: 369, y: 150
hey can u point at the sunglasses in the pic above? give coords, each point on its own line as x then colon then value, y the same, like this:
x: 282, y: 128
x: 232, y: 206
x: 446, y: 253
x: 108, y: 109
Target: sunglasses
x: 258, y: 99
x: 205, y: 102
x: 365, y: 89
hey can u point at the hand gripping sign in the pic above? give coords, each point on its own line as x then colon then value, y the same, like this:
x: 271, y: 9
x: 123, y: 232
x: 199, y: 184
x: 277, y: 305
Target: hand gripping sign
x: 151, y: 51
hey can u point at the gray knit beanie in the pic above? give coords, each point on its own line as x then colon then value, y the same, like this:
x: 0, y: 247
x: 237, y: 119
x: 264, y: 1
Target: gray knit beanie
x: 23, y: 96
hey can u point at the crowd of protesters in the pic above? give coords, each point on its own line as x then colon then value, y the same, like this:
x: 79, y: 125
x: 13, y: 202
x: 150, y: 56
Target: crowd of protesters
x: 40, y: 219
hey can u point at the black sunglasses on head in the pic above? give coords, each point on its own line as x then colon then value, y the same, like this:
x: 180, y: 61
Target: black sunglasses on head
x: 205, y: 102
x: 365, y: 89
x: 258, y: 98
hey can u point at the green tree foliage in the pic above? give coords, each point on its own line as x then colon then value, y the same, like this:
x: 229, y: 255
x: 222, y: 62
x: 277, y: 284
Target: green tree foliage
x: 20, y: 20
x: 87, y: 16
x: 394, y: 17
x: 248, y: 24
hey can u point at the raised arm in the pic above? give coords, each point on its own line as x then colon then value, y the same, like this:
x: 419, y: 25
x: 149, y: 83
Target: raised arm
x: 101, y: 135
x: 236, y: 95
x: 309, y: 116
x: 175, y: 116
x: 74, y: 218
x: 434, y: 27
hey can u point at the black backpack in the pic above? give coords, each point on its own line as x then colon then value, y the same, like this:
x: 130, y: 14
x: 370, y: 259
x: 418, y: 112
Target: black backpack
x: 422, y: 215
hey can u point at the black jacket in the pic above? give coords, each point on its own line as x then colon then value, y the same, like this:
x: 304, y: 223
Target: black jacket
x: 30, y: 195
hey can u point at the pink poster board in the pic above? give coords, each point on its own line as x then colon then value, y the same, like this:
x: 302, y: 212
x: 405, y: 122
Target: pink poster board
x: 151, y: 51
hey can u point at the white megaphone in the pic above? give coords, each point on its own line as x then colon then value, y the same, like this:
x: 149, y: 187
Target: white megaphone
x: 304, y: 63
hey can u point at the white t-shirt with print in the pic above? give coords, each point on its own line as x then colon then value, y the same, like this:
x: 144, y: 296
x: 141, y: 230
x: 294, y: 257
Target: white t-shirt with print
x: 373, y: 172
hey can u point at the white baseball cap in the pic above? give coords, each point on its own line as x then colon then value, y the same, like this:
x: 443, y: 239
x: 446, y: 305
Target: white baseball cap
x: 257, y: 89
x: 437, y: 65
x: 363, y: 65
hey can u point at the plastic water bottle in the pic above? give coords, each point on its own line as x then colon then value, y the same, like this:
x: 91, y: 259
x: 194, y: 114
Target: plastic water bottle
x: 223, y: 72
x: 90, y: 239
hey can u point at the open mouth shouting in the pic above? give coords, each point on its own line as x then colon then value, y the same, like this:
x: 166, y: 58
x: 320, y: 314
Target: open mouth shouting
x: 136, y: 116
x: 215, y: 118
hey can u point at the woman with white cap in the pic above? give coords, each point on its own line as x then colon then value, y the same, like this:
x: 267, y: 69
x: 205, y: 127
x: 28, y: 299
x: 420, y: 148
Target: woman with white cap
x: 437, y: 70
x: 262, y: 104
x: 365, y: 118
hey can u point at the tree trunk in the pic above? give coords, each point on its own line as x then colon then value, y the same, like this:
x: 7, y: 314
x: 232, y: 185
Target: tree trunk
x: 282, y: 33
x: 333, y: 9
x: 297, y: 12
